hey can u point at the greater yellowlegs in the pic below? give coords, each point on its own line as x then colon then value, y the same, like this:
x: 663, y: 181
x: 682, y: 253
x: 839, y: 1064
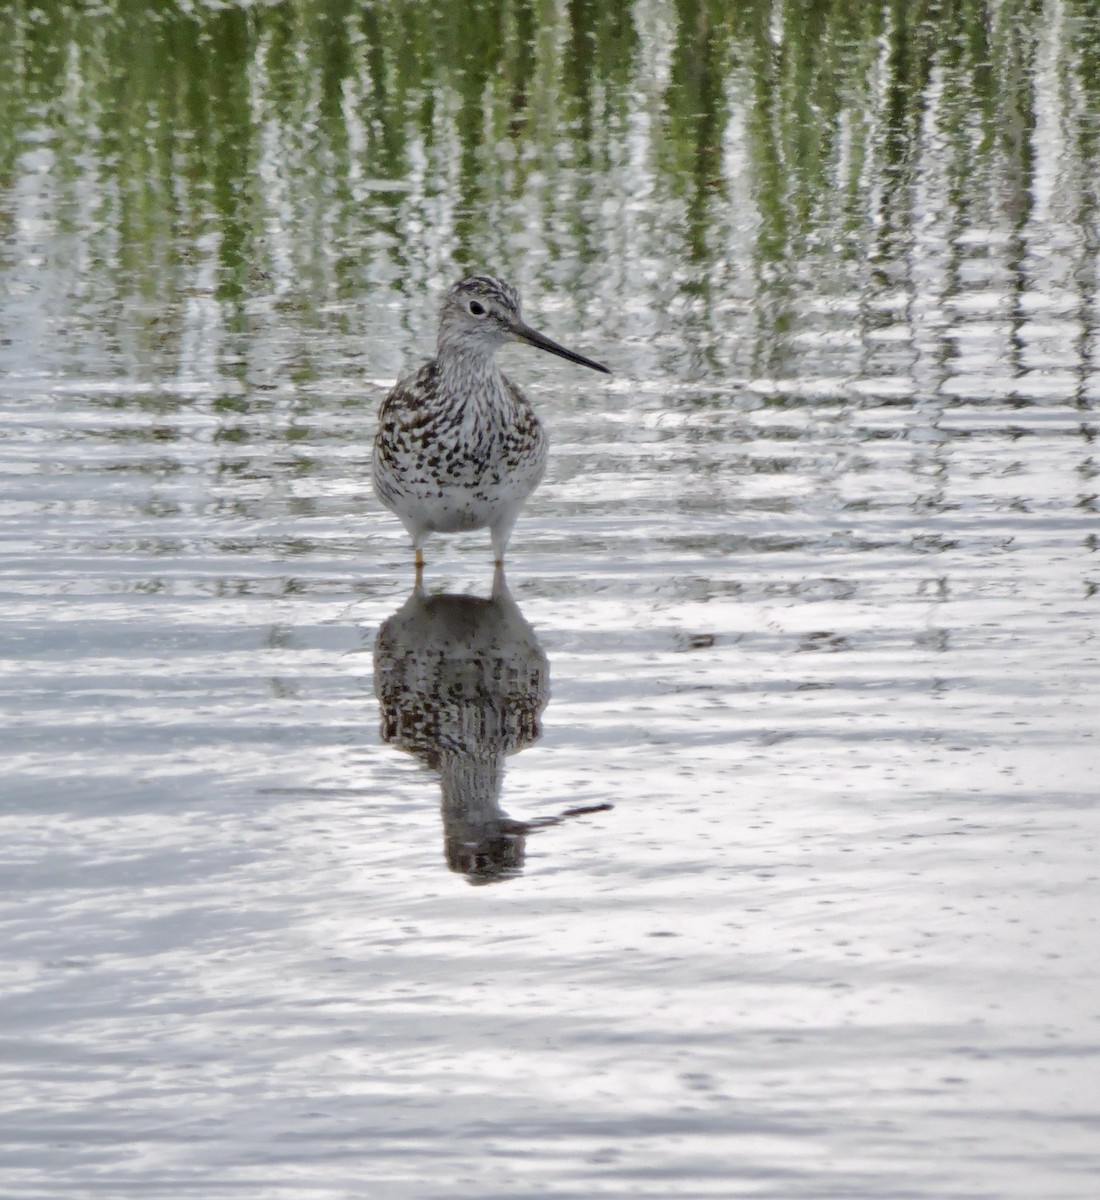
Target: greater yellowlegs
x: 458, y: 445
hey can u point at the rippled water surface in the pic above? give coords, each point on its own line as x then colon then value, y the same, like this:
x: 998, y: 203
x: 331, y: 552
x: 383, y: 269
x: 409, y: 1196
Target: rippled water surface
x: 743, y: 841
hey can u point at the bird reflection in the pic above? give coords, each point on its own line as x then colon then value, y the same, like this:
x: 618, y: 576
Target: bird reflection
x: 462, y: 682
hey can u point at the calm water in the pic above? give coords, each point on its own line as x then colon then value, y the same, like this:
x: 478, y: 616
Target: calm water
x: 743, y: 842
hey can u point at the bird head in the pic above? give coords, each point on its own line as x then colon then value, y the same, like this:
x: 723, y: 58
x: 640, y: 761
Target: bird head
x: 480, y: 313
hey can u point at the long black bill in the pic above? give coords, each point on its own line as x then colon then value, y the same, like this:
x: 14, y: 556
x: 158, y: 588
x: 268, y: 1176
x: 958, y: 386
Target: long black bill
x: 533, y: 338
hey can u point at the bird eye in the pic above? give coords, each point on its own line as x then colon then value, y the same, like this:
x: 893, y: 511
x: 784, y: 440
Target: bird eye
x: 478, y: 310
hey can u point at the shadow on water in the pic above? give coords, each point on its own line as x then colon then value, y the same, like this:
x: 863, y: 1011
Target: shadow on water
x: 462, y: 681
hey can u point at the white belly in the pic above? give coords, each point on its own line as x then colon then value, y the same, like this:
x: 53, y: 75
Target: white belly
x: 456, y: 508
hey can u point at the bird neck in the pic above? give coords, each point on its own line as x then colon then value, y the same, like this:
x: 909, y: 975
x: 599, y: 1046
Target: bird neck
x: 471, y: 786
x: 470, y: 375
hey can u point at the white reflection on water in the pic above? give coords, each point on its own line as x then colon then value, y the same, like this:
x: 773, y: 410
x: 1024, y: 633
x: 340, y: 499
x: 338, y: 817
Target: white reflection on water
x: 834, y: 937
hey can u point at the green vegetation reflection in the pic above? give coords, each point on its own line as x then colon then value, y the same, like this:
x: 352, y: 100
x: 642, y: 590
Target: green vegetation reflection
x: 711, y: 158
